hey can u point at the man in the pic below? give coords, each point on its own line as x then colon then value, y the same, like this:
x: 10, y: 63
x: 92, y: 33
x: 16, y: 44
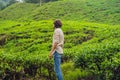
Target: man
x: 57, y: 48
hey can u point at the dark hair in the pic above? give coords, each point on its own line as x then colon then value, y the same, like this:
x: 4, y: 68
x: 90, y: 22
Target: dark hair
x: 57, y: 23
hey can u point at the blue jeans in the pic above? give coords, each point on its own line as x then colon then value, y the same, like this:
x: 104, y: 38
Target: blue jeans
x: 57, y: 62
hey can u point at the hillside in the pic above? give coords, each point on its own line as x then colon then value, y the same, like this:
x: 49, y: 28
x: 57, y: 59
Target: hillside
x: 16, y: 11
x: 102, y: 11
x: 106, y: 11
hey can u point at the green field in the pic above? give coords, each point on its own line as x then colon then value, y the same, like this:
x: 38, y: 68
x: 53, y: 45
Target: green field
x: 92, y: 40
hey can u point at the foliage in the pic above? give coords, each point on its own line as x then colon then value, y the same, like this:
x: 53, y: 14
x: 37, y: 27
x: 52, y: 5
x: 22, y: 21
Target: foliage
x: 38, y: 1
x: 2, y: 5
x: 72, y: 73
x: 23, y: 10
x: 99, y: 58
x: 25, y: 47
x: 6, y: 3
x: 91, y: 50
x: 103, y: 11
x: 32, y: 1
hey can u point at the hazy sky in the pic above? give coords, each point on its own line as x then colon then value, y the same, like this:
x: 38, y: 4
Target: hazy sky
x: 20, y: 0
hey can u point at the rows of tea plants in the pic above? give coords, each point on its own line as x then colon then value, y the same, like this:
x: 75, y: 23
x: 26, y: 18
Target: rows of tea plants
x: 25, y: 46
x: 101, y: 55
x: 102, y: 59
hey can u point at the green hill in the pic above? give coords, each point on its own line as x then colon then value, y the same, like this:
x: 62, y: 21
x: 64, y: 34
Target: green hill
x: 103, y: 11
x: 106, y: 11
x: 16, y: 11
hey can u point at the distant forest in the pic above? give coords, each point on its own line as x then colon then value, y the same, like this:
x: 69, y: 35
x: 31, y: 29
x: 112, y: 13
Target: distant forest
x: 6, y: 3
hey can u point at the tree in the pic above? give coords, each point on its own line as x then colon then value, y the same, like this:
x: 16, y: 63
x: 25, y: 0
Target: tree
x: 5, y: 3
x: 11, y: 2
x: 32, y: 1
x: 2, y: 5
x: 39, y: 1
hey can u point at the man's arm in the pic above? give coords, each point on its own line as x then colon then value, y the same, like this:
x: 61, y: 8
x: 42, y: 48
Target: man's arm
x: 53, y: 48
x: 55, y: 43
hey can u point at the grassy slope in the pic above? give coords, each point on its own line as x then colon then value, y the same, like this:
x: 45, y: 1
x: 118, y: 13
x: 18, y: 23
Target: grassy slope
x: 106, y: 11
x: 88, y: 10
x: 18, y: 10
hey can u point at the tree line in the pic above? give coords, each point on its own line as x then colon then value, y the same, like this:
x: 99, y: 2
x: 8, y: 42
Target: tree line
x: 38, y: 1
x: 5, y: 3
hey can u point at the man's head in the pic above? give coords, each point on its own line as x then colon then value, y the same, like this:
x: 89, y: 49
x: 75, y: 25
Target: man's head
x: 57, y: 24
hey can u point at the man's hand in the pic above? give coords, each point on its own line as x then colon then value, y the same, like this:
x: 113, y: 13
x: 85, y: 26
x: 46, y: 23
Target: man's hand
x: 52, y: 50
x: 50, y: 55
